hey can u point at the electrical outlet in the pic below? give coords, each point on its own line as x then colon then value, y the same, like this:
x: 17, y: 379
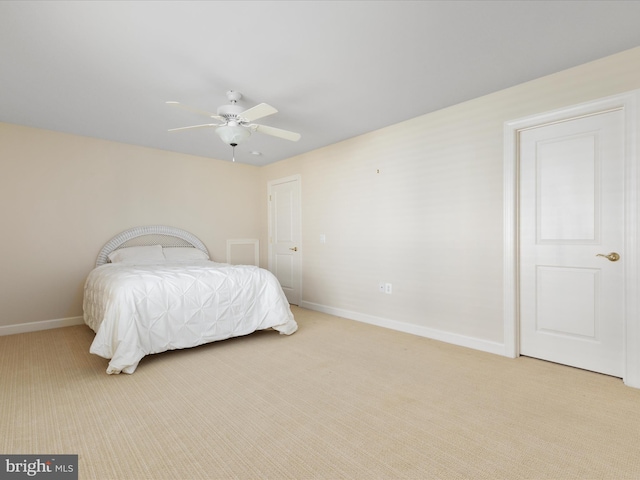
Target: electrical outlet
x: 381, y: 287
x: 387, y: 288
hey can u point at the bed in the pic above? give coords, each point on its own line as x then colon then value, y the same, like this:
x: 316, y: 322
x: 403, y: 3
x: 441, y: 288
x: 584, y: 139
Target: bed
x: 154, y: 289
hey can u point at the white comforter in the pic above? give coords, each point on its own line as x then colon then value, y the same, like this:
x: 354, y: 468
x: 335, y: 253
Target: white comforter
x: 144, y: 309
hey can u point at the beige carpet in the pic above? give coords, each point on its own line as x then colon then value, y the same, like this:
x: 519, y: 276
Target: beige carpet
x: 337, y: 400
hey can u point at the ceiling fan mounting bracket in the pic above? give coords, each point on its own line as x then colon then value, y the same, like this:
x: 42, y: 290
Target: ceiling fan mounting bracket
x: 234, y: 96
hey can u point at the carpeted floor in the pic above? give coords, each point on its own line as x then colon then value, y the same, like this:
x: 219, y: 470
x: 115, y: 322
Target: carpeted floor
x: 337, y: 400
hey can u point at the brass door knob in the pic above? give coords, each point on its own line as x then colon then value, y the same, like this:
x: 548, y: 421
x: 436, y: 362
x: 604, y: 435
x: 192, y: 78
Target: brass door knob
x: 295, y: 249
x: 612, y: 257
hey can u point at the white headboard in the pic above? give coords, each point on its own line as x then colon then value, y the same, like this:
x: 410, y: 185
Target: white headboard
x: 150, y: 235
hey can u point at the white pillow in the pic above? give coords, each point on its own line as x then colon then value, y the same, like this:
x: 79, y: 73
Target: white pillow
x: 138, y: 255
x: 184, y: 254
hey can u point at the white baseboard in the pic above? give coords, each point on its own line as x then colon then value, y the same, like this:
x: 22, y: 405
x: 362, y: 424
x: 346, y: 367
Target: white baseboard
x: 42, y: 325
x: 447, y: 337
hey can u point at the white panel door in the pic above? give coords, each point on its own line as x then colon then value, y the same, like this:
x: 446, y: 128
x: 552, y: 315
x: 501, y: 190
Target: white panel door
x: 571, y: 210
x: 285, y: 235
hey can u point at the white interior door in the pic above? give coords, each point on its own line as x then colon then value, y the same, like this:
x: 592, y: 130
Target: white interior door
x: 285, y: 235
x: 571, y: 211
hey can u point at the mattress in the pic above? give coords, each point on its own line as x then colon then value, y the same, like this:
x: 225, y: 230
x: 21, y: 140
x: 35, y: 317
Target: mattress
x: 137, y: 310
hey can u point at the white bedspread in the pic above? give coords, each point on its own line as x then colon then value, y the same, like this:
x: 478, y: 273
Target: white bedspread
x: 145, y: 309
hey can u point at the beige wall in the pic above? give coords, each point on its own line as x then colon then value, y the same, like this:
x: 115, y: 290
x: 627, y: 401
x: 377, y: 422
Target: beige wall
x: 431, y: 221
x: 62, y: 197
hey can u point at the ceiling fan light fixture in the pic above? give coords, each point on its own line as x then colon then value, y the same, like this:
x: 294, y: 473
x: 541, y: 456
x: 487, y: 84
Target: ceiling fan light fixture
x: 233, y: 134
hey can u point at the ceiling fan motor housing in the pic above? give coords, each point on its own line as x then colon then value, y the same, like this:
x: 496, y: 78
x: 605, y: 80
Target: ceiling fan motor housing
x: 229, y: 112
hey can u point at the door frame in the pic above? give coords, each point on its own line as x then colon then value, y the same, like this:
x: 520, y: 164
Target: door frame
x: 270, y: 184
x: 628, y: 103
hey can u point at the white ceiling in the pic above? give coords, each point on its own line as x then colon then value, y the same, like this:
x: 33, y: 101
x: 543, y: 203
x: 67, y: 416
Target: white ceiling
x: 333, y: 69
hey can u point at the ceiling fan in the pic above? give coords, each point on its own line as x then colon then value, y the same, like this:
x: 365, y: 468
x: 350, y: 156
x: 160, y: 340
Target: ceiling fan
x: 235, y: 122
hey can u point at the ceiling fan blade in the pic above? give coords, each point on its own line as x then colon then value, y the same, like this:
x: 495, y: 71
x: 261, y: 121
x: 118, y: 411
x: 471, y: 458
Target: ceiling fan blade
x: 259, y: 111
x: 195, y: 110
x: 193, y: 126
x: 277, y: 132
